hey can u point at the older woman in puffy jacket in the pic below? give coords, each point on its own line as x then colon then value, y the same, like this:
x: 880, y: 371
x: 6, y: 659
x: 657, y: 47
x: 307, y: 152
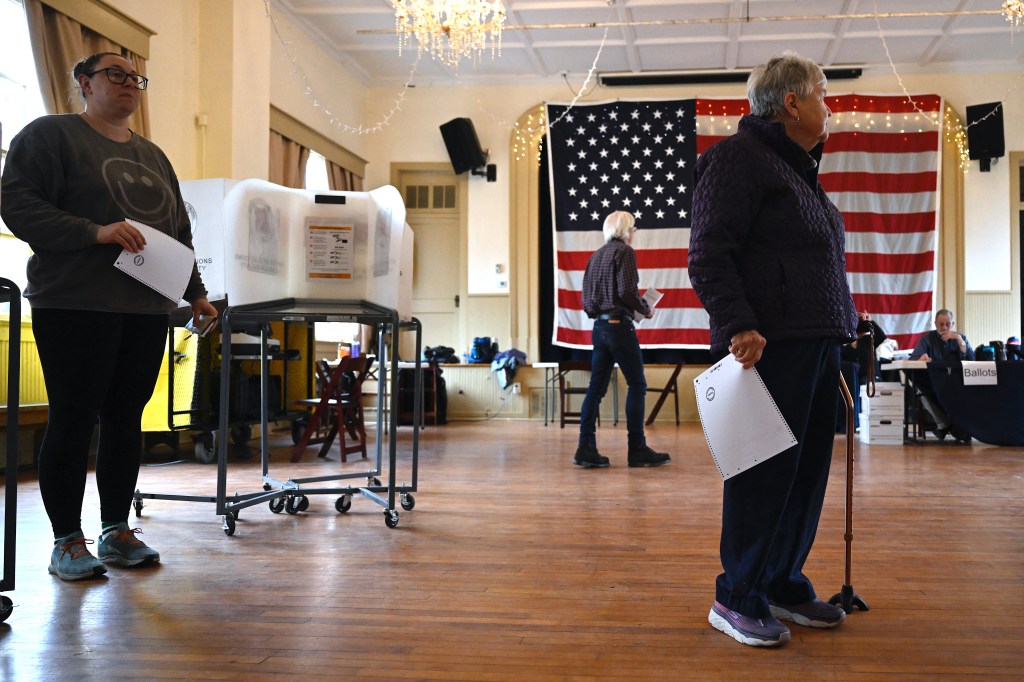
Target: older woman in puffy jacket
x: 767, y: 259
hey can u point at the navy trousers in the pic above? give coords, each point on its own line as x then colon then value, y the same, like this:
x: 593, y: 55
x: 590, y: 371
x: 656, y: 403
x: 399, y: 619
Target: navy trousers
x: 770, y: 512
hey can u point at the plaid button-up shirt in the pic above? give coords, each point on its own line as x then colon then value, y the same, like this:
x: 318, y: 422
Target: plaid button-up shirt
x: 610, y: 282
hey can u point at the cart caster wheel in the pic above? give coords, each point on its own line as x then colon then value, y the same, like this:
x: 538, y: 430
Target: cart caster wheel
x: 137, y: 504
x: 373, y: 480
x: 277, y: 505
x: 298, y: 429
x: 390, y: 518
x: 303, y: 503
x: 240, y: 435
x: 343, y: 503
x: 266, y: 487
x: 294, y: 504
x: 6, y: 607
x: 229, y: 524
x: 408, y: 501
x: 205, y: 451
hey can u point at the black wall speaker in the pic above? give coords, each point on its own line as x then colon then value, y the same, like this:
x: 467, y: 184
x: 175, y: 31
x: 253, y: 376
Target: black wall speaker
x: 463, y: 145
x: 985, y: 132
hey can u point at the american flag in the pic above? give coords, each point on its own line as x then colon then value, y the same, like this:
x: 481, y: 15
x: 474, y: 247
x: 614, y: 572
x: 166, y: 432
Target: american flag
x: 880, y: 167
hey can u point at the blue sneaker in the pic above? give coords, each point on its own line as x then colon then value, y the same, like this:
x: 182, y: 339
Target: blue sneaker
x: 812, y: 614
x: 121, y: 548
x: 746, y: 630
x: 71, y: 560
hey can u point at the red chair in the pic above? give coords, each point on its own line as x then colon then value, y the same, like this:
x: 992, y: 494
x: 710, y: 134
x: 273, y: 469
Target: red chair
x: 338, y: 411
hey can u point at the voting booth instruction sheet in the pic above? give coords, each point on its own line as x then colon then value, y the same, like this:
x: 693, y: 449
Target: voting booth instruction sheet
x: 742, y: 424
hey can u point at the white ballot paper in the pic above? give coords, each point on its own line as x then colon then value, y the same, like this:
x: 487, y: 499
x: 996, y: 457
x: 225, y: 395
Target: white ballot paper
x: 164, y: 265
x: 652, y: 296
x: 742, y: 424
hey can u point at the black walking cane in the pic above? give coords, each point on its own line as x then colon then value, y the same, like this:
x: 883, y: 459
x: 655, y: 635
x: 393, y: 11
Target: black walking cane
x: 846, y: 597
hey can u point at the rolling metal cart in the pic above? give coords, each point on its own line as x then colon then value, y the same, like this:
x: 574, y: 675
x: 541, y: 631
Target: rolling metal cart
x: 291, y: 494
x: 11, y: 294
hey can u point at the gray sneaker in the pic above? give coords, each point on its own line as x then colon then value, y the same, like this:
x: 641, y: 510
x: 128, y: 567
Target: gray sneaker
x: 71, y: 560
x: 746, y: 630
x: 812, y: 614
x: 121, y: 548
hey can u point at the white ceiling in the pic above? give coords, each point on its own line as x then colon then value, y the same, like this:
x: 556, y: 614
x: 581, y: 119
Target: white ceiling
x: 705, y: 35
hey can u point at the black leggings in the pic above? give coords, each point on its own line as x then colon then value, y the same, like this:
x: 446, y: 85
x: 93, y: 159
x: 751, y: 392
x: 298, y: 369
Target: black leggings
x: 96, y: 366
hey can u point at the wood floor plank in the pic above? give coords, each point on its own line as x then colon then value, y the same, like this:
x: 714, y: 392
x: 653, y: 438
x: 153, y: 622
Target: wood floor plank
x: 515, y: 565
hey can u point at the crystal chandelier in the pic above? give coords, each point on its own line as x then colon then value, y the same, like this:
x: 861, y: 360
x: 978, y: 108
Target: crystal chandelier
x: 450, y: 30
x: 1013, y: 10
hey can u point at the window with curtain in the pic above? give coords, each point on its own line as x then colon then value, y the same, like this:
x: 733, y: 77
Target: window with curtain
x: 20, y: 102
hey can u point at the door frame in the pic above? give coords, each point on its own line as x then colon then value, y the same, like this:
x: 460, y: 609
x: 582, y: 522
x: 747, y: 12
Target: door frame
x: 398, y: 170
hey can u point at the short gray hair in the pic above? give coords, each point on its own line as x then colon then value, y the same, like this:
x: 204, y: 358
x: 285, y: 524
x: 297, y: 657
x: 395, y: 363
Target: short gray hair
x: 617, y: 225
x: 768, y: 83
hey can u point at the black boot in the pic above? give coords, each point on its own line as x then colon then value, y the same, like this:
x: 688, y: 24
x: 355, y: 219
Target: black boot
x: 646, y: 457
x: 588, y: 457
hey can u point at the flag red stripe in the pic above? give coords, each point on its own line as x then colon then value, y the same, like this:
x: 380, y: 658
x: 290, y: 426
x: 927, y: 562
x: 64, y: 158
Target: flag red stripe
x: 889, y: 223
x: 877, y: 104
x: 646, y: 259
x: 572, y: 299
x: 894, y: 304
x: 674, y: 336
x: 887, y: 143
x: 665, y: 337
x: 573, y: 260
x: 723, y: 107
x: 890, y: 263
x: 881, y: 183
x: 882, y: 104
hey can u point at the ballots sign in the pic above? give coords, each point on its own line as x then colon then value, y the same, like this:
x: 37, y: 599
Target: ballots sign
x: 977, y: 373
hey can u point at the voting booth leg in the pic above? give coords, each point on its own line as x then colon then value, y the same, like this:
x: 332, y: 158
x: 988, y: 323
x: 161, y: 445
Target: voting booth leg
x: 846, y: 598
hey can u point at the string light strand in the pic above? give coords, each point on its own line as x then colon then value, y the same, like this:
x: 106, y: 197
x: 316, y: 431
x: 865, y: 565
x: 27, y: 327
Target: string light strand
x: 311, y: 94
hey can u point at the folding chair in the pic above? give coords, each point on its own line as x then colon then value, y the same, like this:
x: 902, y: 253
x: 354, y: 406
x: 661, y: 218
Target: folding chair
x: 671, y: 388
x: 338, y: 411
x: 567, y: 390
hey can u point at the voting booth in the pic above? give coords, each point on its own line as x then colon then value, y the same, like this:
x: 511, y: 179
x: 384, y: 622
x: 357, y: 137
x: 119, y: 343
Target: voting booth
x: 257, y: 241
x: 285, y: 259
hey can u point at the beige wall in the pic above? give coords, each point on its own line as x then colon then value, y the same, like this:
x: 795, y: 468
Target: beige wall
x: 221, y: 58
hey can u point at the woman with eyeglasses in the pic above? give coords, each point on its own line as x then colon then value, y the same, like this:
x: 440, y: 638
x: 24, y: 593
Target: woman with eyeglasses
x: 70, y: 184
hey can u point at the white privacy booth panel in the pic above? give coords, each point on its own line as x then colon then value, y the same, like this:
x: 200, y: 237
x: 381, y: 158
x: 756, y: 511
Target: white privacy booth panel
x: 256, y: 241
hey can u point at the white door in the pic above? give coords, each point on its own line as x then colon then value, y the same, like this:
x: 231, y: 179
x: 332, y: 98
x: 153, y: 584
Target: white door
x: 433, y: 213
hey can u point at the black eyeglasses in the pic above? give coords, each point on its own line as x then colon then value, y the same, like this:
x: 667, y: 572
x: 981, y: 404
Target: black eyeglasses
x: 118, y: 76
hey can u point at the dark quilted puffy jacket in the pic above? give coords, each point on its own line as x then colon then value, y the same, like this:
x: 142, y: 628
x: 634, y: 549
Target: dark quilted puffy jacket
x: 767, y: 246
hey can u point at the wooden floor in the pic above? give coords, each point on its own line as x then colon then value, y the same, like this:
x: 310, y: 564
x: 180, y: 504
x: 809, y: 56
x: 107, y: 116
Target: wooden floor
x: 515, y: 565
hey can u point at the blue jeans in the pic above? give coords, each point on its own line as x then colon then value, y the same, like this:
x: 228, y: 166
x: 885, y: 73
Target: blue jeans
x: 615, y: 342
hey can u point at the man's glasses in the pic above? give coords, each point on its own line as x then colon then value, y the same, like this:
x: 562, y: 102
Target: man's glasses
x: 118, y: 77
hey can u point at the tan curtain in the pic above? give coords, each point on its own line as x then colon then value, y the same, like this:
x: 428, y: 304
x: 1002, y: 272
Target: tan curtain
x: 341, y: 180
x: 58, y: 42
x: 287, y: 161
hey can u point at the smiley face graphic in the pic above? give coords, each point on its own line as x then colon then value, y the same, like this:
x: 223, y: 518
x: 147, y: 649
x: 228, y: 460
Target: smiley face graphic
x: 140, y: 192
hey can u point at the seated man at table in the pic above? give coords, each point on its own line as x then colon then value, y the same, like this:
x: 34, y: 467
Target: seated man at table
x: 942, y: 344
